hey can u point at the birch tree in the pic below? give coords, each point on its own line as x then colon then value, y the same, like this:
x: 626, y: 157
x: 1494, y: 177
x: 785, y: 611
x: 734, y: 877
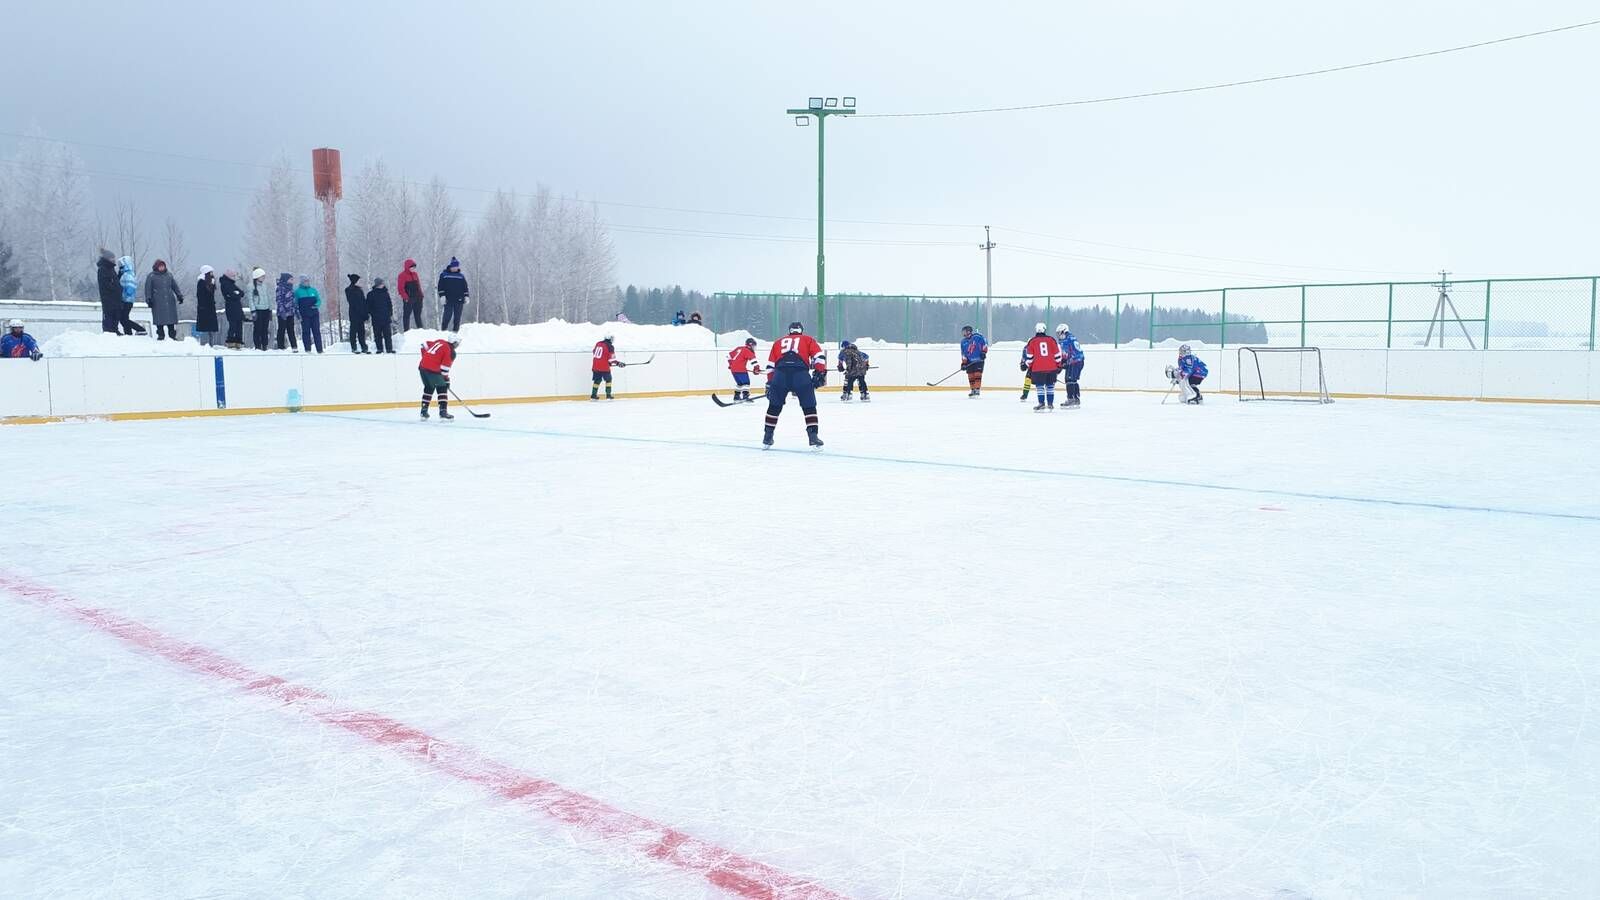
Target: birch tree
x: 279, y: 232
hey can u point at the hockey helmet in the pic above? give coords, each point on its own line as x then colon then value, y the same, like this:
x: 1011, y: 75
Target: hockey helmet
x: 15, y: 324
x: 1183, y: 350
x: 796, y: 328
x: 1062, y: 329
x: 749, y: 342
x: 966, y: 329
x: 1039, y: 328
x: 608, y: 337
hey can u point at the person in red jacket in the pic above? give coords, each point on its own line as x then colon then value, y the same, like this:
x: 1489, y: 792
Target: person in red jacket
x: 605, y: 359
x: 409, y: 287
x: 1041, y: 359
x: 795, y: 366
x: 437, y: 357
x: 741, y: 362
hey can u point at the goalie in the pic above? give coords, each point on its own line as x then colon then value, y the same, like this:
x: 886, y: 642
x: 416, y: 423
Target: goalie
x: 1188, y: 374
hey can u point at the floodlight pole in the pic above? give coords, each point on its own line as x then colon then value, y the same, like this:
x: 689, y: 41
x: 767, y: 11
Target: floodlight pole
x: 821, y: 114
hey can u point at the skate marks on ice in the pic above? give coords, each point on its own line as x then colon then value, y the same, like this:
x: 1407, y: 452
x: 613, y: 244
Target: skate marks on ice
x: 617, y: 830
x: 1014, y: 470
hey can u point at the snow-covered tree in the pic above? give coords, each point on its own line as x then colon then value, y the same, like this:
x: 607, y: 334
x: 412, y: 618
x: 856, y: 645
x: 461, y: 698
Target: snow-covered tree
x: 48, y: 222
x: 279, y: 231
x: 441, y: 236
x: 176, y: 254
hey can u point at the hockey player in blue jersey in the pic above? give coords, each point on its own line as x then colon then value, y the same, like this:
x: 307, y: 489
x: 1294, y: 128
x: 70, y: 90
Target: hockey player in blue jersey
x: 974, y: 349
x: 1191, y: 371
x: 1072, y: 362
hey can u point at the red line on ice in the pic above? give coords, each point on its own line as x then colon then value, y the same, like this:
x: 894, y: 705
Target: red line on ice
x: 725, y: 869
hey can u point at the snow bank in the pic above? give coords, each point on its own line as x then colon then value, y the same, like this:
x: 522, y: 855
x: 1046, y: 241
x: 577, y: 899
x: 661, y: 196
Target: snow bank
x: 100, y: 343
x: 559, y: 335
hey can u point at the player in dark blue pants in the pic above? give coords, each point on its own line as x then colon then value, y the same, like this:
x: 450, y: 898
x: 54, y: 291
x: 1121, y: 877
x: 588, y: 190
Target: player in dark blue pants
x: 798, y: 367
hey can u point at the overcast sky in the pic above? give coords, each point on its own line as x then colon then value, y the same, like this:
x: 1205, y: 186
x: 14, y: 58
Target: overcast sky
x: 1481, y: 161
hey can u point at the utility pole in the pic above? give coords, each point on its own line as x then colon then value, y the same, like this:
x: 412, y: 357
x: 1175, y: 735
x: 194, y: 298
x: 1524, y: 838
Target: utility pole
x: 821, y: 108
x: 988, y: 281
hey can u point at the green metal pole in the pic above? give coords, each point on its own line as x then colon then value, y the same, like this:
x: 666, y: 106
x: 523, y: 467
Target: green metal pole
x: 1388, y: 335
x: 1487, y: 285
x: 822, y: 291
x: 908, y: 322
x: 1594, y: 283
x: 775, y: 332
x: 1152, y: 321
x: 1302, y: 315
x: 1224, y: 328
x: 1116, y: 325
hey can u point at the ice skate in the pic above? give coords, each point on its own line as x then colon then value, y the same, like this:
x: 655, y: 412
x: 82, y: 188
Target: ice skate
x: 444, y: 416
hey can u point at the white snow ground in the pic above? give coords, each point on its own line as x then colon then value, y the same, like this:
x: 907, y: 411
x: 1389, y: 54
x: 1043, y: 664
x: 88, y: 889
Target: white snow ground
x: 968, y: 651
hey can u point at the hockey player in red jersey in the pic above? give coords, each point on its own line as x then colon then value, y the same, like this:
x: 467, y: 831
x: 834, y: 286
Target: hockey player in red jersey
x: 437, y: 357
x: 796, y: 366
x: 605, y: 359
x: 742, y: 362
x: 1041, y: 359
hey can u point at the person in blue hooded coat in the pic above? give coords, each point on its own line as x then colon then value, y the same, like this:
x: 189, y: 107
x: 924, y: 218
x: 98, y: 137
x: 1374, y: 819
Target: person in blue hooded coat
x: 128, y: 280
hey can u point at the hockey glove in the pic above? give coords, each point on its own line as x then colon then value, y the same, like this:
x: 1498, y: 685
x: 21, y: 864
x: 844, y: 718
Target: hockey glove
x: 963, y: 365
x: 819, y: 378
x: 36, y: 356
x: 1022, y: 367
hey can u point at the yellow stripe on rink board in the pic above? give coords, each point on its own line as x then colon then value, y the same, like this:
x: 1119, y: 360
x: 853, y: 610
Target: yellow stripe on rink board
x: 648, y: 395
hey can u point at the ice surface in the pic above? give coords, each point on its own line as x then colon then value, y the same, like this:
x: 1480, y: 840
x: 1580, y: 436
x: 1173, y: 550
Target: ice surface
x: 968, y: 651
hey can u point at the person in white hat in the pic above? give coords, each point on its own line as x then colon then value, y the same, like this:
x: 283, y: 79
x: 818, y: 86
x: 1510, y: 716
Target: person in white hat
x: 262, y: 299
x: 18, y: 343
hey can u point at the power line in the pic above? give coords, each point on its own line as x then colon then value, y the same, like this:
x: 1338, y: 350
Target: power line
x: 1253, y: 262
x: 476, y: 190
x: 1232, y: 84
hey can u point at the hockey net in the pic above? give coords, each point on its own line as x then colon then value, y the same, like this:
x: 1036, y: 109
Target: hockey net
x: 1291, y: 374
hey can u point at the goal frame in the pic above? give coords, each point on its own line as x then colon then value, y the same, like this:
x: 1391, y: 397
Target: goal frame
x: 1320, y: 396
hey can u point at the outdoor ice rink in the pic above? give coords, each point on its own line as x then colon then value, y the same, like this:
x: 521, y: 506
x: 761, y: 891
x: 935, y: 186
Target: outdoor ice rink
x: 616, y: 651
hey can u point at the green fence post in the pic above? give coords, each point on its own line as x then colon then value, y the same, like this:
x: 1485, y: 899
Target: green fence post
x: 1116, y: 326
x: 1486, y: 286
x: 907, y: 332
x: 1152, y: 320
x: 1224, y: 327
x: 1593, y: 283
x: 1047, y: 312
x: 1302, y: 315
x: 775, y: 332
x: 1388, y: 333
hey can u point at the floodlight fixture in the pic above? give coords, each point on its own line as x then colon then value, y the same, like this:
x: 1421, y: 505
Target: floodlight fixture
x: 849, y: 103
x: 832, y: 102
x: 815, y: 103
x: 802, y: 121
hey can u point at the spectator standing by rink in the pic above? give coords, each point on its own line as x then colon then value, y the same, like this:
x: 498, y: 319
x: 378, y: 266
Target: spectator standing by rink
x: 1191, y: 371
x: 678, y: 319
x: 355, y: 300
x: 18, y: 343
x: 453, y: 295
x: 260, y: 309
x: 283, y: 296
x: 974, y: 350
x: 110, y: 292
x: 233, y: 308
x: 409, y: 287
x: 381, y: 309
x: 205, y: 306
x: 129, y: 280
x: 308, y: 304
x: 162, y: 295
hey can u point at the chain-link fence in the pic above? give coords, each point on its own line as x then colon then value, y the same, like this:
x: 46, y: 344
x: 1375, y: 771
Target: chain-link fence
x: 1500, y: 314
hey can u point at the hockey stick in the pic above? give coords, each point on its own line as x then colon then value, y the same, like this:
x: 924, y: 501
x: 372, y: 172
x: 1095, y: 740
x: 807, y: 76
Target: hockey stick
x: 623, y: 365
x: 946, y: 378
x: 475, y: 415
x: 724, y: 403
